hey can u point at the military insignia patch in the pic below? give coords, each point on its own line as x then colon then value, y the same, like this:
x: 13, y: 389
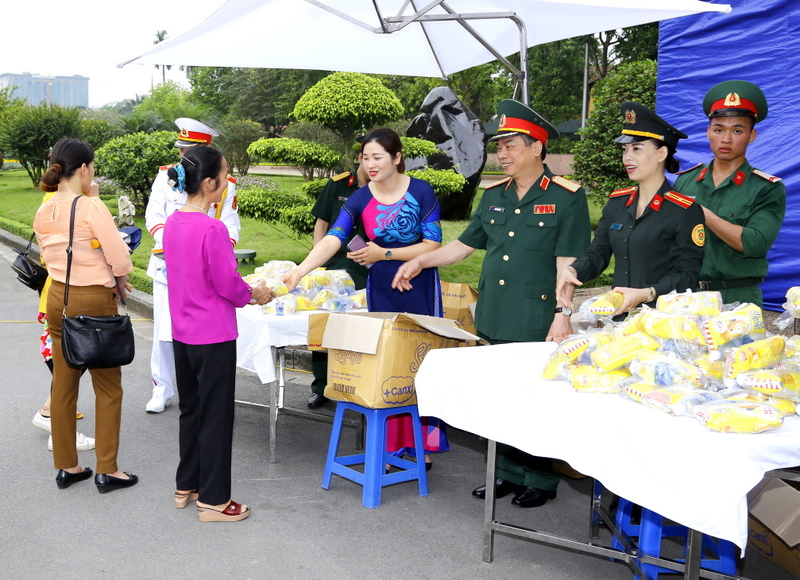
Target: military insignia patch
x: 767, y: 176
x: 732, y: 100
x: 542, y: 209
x: 235, y: 203
x: 497, y: 209
x: 699, y: 235
x: 340, y: 176
x: 502, y: 122
x: 738, y: 179
x: 630, y: 117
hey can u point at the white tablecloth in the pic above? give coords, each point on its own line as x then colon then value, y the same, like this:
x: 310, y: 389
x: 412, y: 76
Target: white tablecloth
x: 672, y: 465
x: 259, y: 332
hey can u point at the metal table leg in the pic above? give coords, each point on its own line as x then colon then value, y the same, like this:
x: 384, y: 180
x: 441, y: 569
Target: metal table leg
x: 488, y: 508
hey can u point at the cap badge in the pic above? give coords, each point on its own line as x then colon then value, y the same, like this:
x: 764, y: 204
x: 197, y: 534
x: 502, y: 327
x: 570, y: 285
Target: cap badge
x: 630, y: 117
x: 502, y: 122
x: 184, y: 132
x: 732, y: 100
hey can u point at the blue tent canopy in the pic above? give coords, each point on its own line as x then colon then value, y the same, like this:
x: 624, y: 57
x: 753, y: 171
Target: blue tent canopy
x: 757, y: 42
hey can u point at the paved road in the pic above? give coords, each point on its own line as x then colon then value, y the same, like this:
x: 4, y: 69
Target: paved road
x: 297, y: 529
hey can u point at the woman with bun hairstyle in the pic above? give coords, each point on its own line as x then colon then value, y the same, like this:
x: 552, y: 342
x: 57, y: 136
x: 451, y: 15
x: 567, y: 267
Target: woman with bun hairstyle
x: 205, y: 290
x: 656, y: 235
x: 100, y: 266
x: 400, y: 215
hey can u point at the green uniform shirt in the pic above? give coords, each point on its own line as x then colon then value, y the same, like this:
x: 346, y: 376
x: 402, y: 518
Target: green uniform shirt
x: 748, y: 198
x: 327, y: 208
x: 516, y: 292
x: 662, y: 249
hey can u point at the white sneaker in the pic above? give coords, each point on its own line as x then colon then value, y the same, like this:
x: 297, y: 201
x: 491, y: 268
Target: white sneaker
x: 82, y: 442
x: 41, y: 422
x: 157, y: 404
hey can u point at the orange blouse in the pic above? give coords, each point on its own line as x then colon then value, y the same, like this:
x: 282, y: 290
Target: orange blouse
x: 93, y: 221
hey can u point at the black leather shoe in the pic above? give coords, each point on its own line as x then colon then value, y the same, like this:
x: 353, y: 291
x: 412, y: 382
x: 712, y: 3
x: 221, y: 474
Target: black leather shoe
x: 106, y: 483
x: 502, y: 488
x: 531, y: 497
x: 317, y: 401
x: 64, y: 478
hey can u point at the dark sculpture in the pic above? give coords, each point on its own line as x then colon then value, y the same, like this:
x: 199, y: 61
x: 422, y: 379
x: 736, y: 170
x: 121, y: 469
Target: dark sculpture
x: 459, y: 134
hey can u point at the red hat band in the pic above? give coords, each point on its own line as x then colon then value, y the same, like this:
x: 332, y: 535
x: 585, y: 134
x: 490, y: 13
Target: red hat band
x: 734, y: 101
x: 194, y: 137
x: 513, y: 124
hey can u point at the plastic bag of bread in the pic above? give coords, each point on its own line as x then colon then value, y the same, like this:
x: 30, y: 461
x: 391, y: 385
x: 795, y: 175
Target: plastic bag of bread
x: 791, y: 307
x: 619, y: 353
x: 359, y: 299
x: 601, y: 306
x: 738, y: 416
x: 570, y: 350
x: 336, y: 303
x: 759, y: 354
x: 680, y: 328
x: 776, y: 382
x: 785, y: 406
x: 304, y: 303
x: 275, y: 268
x: 702, y: 304
x: 631, y: 325
x: 732, y: 326
x: 281, y: 306
x: 678, y: 400
x: 634, y: 389
x: 665, y: 370
x: 587, y: 379
x: 792, y: 347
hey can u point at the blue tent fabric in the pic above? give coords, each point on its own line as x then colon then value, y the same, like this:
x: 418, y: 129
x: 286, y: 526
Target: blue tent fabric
x: 757, y: 42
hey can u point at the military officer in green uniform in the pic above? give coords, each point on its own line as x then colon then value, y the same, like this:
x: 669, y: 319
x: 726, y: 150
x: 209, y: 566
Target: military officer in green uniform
x: 530, y: 224
x: 326, y: 210
x: 655, y: 234
x: 744, y: 207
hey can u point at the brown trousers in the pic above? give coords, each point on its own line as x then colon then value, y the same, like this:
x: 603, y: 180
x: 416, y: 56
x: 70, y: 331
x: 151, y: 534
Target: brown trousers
x: 107, y: 383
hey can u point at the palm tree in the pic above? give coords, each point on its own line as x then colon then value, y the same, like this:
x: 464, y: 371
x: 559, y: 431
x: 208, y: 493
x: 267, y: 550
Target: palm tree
x: 160, y: 36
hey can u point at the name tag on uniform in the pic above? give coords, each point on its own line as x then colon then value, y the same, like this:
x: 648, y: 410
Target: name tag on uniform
x: 550, y: 208
x: 615, y: 227
x: 342, y: 198
x: 497, y: 208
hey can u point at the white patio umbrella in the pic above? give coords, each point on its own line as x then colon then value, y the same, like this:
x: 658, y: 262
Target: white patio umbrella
x: 433, y: 38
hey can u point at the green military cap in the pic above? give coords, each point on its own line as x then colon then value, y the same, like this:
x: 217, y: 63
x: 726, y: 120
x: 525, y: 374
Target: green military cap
x: 518, y: 119
x: 735, y: 99
x: 641, y: 123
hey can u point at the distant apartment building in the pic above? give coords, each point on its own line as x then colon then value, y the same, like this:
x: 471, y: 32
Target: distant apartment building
x: 58, y: 90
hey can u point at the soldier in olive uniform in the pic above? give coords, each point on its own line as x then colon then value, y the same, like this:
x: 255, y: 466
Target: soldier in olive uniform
x: 744, y: 207
x: 326, y: 210
x: 531, y: 224
x: 655, y: 234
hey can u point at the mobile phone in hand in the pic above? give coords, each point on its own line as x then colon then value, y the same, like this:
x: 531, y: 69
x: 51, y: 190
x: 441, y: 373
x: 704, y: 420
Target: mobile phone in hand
x: 356, y: 244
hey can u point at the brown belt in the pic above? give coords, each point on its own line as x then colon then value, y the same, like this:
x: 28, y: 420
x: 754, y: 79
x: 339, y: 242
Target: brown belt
x: 729, y: 284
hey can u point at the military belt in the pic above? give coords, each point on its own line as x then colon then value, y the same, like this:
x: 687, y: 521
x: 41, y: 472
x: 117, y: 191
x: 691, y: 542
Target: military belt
x: 729, y: 284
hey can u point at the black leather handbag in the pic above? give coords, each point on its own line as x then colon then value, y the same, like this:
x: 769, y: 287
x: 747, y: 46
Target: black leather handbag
x: 28, y: 272
x: 94, y: 342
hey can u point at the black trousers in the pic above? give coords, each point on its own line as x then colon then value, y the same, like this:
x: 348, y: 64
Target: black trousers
x: 206, y: 380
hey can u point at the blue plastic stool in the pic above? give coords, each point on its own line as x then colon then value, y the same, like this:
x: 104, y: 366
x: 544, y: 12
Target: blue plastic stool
x: 375, y: 456
x: 717, y: 555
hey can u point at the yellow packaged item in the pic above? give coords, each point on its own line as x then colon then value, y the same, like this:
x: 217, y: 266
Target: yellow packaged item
x: 754, y: 355
x: 323, y: 296
x: 569, y: 350
x: 792, y: 347
x: 793, y: 298
x: 665, y: 370
x: 702, y: 304
x: 634, y: 389
x: 677, y: 400
x: 738, y: 417
x: 785, y: 406
x: 733, y: 324
x: 304, y: 303
x: 277, y: 286
x: 680, y: 327
x: 359, y: 299
x: 281, y: 306
x: 605, y: 304
x: 630, y: 325
x: 776, y: 382
x: 713, y: 369
x: 587, y: 379
x: 620, y: 352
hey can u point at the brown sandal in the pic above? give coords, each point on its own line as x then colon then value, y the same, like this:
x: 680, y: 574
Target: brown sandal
x: 233, y: 512
x: 184, y: 498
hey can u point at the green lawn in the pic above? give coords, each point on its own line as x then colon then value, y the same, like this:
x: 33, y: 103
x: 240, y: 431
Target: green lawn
x: 19, y: 202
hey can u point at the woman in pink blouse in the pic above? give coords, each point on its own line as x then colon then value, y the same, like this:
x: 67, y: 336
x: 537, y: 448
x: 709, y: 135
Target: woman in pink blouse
x: 100, y: 267
x: 204, y: 291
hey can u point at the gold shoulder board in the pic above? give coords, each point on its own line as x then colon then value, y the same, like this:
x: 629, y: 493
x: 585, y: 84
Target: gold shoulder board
x: 572, y: 186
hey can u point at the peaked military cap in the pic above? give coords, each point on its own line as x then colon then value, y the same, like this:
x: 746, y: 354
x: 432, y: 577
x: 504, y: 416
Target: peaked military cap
x: 641, y: 123
x: 735, y: 99
x: 518, y: 119
x: 193, y: 132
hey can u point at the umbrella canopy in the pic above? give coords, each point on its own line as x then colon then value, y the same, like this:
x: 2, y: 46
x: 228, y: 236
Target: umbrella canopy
x: 433, y: 38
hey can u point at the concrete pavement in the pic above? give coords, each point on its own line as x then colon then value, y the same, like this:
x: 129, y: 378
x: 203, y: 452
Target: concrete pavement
x: 296, y: 530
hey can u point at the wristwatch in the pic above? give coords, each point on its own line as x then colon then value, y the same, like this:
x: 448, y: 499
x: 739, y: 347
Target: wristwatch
x: 565, y: 310
x: 388, y: 254
x: 652, y: 295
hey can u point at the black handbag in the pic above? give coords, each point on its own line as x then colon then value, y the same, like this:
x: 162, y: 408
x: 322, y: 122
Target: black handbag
x: 94, y: 342
x: 28, y: 272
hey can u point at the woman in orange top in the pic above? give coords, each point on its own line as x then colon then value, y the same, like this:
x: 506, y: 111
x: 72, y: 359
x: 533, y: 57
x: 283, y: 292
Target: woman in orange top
x: 97, y: 272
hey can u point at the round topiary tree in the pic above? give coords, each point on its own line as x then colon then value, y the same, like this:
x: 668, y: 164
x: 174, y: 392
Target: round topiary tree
x: 133, y: 161
x: 314, y: 160
x: 346, y: 103
x: 597, y: 164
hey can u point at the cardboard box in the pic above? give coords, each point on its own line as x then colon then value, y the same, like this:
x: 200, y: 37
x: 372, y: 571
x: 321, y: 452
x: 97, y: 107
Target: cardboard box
x: 774, y: 523
x: 456, y: 299
x: 373, y: 357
